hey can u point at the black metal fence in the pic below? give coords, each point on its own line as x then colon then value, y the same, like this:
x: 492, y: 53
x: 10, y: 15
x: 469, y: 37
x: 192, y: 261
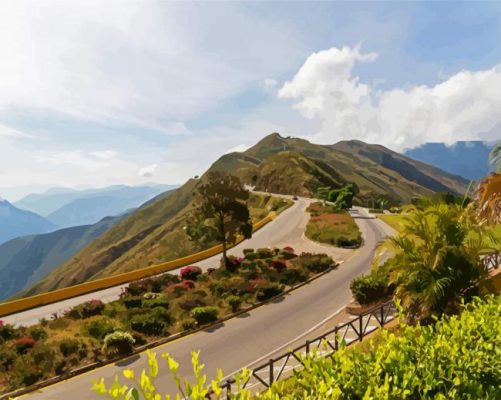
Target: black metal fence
x: 352, y: 331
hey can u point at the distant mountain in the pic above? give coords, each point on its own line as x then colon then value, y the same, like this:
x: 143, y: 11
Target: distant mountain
x: 466, y: 159
x: 155, y: 232
x: 15, y: 222
x: 25, y: 260
x: 68, y: 207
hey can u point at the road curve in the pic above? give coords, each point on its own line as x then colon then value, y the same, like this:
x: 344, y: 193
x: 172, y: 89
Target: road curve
x: 262, y: 332
x: 286, y: 229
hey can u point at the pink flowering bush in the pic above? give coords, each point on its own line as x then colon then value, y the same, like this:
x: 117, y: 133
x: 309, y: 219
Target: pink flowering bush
x: 190, y: 273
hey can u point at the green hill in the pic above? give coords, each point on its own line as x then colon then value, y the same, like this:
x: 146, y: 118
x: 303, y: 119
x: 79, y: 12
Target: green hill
x: 154, y: 233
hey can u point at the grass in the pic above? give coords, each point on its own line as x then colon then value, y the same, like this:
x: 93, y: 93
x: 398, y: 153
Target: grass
x: 331, y: 227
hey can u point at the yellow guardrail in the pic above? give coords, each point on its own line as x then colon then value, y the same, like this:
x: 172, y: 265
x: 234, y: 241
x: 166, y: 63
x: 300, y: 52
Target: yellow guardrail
x: 115, y: 280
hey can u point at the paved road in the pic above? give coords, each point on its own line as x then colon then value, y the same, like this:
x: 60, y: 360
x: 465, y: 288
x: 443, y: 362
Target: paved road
x: 257, y: 335
x: 286, y: 229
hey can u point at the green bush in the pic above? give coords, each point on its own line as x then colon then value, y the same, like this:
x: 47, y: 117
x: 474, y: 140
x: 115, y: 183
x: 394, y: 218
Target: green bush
x: 98, y: 328
x: 133, y: 301
x: 457, y: 358
x: 369, y: 288
x: 188, y: 324
x: 86, y: 310
x: 43, y: 356
x: 156, y: 302
x: 37, y: 333
x: 69, y: 347
x: 314, y: 262
x: 7, y: 357
x: 235, y: 302
x: 269, y: 290
x: 25, y: 372
x: 7, y: 331
x: 292, y: 276
x: 264, y: 253
x: 153, y: 322
x: 247, y: 251
x: 118, y: 342
x: 204, y: 315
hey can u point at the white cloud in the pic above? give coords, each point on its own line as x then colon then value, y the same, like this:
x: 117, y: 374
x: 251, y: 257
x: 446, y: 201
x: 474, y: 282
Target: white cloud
x: 8, y: 132
x: 148, y: 171
x: 463, y: 107
x: 269, y: 85
x: 238, y: 149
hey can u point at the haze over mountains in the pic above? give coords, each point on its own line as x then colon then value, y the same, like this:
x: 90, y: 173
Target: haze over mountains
x: 453, y: 158
x: 154, y: 233
x: 68, y: 207
x: 15, y: 222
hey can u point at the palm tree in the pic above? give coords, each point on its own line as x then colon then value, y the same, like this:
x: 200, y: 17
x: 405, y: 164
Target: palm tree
x: 436, y: 259
x: 489, y: 191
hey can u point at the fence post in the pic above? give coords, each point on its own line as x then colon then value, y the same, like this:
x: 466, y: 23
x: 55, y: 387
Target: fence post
x: 307, y: 347
x: 336, y: 344
x: 228, y: 389
x: 360, y: 324
x: 272, y: 371
x: 382, y: 315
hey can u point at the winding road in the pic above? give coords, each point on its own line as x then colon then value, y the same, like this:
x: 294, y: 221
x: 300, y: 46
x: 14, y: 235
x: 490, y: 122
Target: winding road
x: 254, y: 336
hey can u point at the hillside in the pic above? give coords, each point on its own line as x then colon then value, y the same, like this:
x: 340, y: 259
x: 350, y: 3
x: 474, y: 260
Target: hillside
x: 26, y: 260
x: 451, y: 158
x: 154, y: 233
x: 15, y: 222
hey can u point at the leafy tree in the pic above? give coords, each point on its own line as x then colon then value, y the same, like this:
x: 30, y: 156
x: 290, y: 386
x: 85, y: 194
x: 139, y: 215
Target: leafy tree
x: 342, y: 197
x: 489, y: 191
x: 436, y: 260
x: 222, y: 206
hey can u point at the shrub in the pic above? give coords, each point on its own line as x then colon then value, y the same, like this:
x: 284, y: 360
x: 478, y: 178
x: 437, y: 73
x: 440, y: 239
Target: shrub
x: 181, y: 287
x: 247, y: 251
x: 264, y: 253
x: 278, y: 265
x: 188, y: 324
x: 86, y: 310
x: 235, y: 302
x: 98, y: 328
x: 24, y: 344
x: 342, y: 241
x: 292, y: 276
x: 7, y: 331
x: 37, y: 333
x: 204, y: 315
x: 190, y: 273
x: 314, y: 262
x: 369, y: 288
x: 118, y: 342
x: 154, y: 322
x: 288, y: 249
x: 25, y: 372
x: 156, y: 302
x: 69, y: 347
x: 43, y: 356
x: 268, y: 291
x: 232, y: 263
x: 132, y: 302
x: 7, y: 357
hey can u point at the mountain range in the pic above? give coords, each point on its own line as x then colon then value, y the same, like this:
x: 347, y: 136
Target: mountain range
x: 453, y: 158
x: 65, y: 207
x: 15, y: 222
x: 155, y: 232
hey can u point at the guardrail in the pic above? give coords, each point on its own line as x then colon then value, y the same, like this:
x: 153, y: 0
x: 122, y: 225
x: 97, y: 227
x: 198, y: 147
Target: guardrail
x: 38, y: 300
x: 264, y: 375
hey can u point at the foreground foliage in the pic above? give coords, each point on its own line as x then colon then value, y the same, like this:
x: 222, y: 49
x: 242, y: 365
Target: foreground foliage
x: 458, y: 357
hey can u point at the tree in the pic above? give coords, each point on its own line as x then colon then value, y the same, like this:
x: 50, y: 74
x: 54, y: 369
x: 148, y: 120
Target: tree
x: 221, y: 203
x: 489, y: 191
x: 342, y: 197
x: 436, y: 259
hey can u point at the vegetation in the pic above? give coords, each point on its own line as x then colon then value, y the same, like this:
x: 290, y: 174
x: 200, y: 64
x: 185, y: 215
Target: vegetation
x: 221, y: 204
x: 370, y: 288
x: 458, y: 357
x: 148, y: 310
x: 326, y: 225
x: 341, y: 199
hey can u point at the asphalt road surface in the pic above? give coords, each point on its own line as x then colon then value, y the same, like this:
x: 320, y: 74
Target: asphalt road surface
x: 258, y: 335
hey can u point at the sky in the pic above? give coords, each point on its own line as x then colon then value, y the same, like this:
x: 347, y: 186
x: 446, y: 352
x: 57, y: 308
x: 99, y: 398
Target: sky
x: 97, y: 93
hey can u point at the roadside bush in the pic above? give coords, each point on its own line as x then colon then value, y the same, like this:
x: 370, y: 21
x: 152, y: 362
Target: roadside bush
x: 98, y: 328
x: 342, y: 241
x: 24, y: 344
x: 190, y: 273
x: 247, y: 251
x: 86, y: 310
x: 68, y: 347
x: 180, y: 288
x: 142, y: 286
x: 7, y: 357
x: 25, y: 372
x: 268, y: 291
x: 37, y: 333
x: 156, y: 302
x: 292, y: 276
x: 264, y: 253
x: 369, y: 288
x: 43, y: 356
x: 153, y: 322
x: 288, y: 249
x: 188, y: 324
x: 278, y: 265
x: 204, y: 315
x: 118, y: 342
x: 232, y: 263
x: 132, y: 302
x: 235, y: 302
x: 7, y: 331
x: 314, y: 262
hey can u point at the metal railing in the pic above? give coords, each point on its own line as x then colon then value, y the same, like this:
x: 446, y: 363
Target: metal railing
x: 352, y: 331
x: 492, y: 260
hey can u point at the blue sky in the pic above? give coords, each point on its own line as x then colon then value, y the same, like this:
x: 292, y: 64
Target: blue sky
x: 99, y: 93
